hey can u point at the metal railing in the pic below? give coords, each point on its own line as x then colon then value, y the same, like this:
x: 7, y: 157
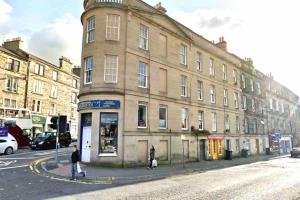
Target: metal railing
x: 110, y: 1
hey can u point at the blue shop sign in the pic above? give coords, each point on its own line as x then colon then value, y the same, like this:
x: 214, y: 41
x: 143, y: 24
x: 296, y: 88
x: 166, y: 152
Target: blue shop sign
x: 99, y: 104
x: 3, y: 132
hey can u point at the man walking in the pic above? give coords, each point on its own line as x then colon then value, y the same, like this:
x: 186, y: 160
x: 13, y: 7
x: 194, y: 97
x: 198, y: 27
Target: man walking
x: 75, y: 160
x: 152, y: 156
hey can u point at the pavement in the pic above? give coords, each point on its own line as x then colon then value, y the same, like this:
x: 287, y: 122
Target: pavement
x: 61, y: 170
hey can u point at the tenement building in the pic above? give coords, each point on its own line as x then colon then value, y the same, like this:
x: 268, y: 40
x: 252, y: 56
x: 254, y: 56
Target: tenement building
x: 28, y: 81
x: 253, y: 102
x: 149, y: 80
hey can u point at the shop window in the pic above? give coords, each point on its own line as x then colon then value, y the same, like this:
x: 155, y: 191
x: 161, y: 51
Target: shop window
x: 220, y: 148
x: 142, y: 115
x: 108, y: 133
x: 163, y: 117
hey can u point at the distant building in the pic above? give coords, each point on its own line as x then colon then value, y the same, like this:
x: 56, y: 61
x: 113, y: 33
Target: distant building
x: 30, y: 82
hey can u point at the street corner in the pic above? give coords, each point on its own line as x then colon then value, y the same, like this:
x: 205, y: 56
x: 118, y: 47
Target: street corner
x: 61, y: 171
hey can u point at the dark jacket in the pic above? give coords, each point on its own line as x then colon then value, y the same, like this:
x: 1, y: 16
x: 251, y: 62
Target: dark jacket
x: 152, y: 153
x: 75, y: 156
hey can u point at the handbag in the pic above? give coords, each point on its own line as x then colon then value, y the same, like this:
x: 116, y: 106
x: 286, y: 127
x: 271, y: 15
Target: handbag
x: 154, y: 163
x: 78, y: 168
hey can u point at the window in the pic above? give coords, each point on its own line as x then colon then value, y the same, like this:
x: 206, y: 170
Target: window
x: 37, y: 87
x: 53, y: 93
x: 142, y: 115
x: 13, y: 65
x: 243, y: 81
x: 225, y: 97
x: 200, y: 90
x: 253, y: 105
x: 91, y: 24
x: 184, y: 118
x: 277, y: 105
x: 246, y: 125
x: 143, y: 75
x: 144, y: 34
x: 52, y: 109
x: 258, y: 89
x: 184, y: 86
x: 182, y: 54
x: 237, y: 124
x: 111, y: 69
x: 88, y: 70
x: 211, y: 67
x: 251, y: 85
x: 163, y: 114
x: 74, y: 83
x: 224, y: 70
x: 213, y: 121
x: 109, y: 134
x: 39, y: 69
x: 282, y: 108
x: 236, y: 102
x: 198, y: 61
x: 227, y: 123
x: 234, y: 73
x: 54, y: 75
x: 201, y: 120
x: 11, y: 84
x: 213, y: 94
x: 112, y: 27
x: 244, y: 102
x: 271, y: 104
x: 74, y: 97
x: 9, y: 103
x: 73, y: 112
x: 36, y: 106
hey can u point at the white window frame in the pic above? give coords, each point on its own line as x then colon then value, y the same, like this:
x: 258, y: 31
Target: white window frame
x: 184, y: 119
x: 258, y: 88
x: 146, y: 115
x: 236, y: 99
x: 11, y: 84
x: 183, y: 54
x: 10, y: 64
x: 52, y: 109
x: 73, y: 97
x: 224, y: 70
x: 112, y: 27
x: 213, y: 122
x: 39, y: 69
x: 75, y: 83
x: 238, y: 125
x: 38, y: 86
x: 35, y: 106
x: 225, y: 101
x: 211, y: 67
x: 252, y: 85
x: 166, y: 114
x: 244, y: 102
x: 199, y: 61
x: 9, y: 103
x: 143, y: 75
x: 271, y: 103
x: 88, y: 70
x: 144, y: 37
x: 243, y: 81
x: 90, y: 29
x: 227, y: 122
x: 111, y: 65
x: 53, y: 92
x: 54, y: 75
x: 213, y: 94
x: 201, y: 120
x: 234, y: 74
x: 200, y: 90
x: 184, y: 86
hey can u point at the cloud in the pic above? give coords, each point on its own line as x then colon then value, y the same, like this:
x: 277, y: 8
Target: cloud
x: 60, y: 38
x: 5, y: 16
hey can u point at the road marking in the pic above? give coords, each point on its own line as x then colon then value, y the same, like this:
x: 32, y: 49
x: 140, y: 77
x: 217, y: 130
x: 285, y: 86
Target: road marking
x: 21, y: 166
x: 7, y: 163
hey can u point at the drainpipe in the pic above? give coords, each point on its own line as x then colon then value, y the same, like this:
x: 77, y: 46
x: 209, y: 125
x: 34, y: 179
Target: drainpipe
x: 26, y: 85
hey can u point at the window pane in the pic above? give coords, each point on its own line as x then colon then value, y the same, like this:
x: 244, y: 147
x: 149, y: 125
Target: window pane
x: 108, y: 133
x: 142, y: 114
x: 111, y: 69
x: 162, y: 117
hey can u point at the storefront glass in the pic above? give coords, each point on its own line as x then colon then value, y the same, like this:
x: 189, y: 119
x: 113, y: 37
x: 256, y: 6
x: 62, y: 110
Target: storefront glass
x: 108, y: 133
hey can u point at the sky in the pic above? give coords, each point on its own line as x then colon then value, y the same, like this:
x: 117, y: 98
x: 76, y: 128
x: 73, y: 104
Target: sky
x: 264, y: 30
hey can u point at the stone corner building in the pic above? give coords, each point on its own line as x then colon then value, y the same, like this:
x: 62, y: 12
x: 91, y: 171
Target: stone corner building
x: 27, y: 81
x: 149, y: 80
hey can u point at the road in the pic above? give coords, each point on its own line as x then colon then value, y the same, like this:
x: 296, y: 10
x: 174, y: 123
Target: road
x: 274, y: 179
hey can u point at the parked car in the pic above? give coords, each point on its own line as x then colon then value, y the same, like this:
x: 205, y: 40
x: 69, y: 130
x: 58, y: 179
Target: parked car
x: 47, y: 140
x: 8, y: 145
x: 295, y: 152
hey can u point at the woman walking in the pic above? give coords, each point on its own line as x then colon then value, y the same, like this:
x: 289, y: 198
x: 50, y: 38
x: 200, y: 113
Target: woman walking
x: 152, y: 156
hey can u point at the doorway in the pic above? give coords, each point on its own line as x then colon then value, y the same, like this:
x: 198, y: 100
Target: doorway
x: 86, y: 137
x: 202, y: 149
x: 257, y: 146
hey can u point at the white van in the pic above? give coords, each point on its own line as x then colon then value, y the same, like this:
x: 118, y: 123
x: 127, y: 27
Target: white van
x: 8, y: 145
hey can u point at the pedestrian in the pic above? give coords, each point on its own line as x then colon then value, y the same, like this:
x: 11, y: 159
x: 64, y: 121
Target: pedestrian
x: 152, y: 156
x: 75, y: 161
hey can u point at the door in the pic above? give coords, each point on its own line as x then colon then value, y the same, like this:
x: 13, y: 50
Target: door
x: 86, y: 144
x: 202, y: 149
x: 257, y: 146
x: 143, y: 151
x: 215, y: 153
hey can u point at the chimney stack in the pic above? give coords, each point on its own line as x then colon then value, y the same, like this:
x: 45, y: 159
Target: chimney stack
x: 222, y: 44
x: 160, y: 8
x: 14, y: 44
x: 65, y: 63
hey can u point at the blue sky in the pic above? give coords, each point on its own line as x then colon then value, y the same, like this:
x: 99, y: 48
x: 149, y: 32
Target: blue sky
x: 264, y: 30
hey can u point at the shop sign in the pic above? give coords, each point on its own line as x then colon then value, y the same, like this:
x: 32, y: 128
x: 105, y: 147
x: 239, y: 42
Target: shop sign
x: 99, y: 104
x: 3, y: 131
x: 38, y: 119
x: 215, y: 137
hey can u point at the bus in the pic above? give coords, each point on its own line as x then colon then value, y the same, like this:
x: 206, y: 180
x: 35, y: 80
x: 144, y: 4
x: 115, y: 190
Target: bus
x: 19, y: 123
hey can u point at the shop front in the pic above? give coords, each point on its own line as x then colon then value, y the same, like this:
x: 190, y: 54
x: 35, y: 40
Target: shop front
x: 286, y: 144
x: 215, y: 147
x: 38, y: 125
x: 104, y: 130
